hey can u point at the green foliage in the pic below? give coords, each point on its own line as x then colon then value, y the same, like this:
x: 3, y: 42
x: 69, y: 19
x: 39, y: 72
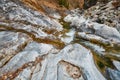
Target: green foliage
x: 64, y: 3
x: 66, y: 25
x: 100, y: 64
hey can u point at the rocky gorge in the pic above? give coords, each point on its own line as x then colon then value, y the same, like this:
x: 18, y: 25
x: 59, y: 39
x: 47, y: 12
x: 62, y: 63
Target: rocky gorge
x: 50, y: 40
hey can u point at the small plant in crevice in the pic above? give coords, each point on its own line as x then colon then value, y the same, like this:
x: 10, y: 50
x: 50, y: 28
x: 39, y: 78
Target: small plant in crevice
x: 66, y: 25
x: 64, y: 3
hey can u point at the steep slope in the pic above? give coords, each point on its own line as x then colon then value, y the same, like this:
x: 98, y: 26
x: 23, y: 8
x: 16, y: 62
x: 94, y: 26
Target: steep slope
x: 58, y: 6
x: 61, y: 6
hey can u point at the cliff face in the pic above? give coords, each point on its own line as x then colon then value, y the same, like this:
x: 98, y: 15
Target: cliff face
x: 60, y: 6
x: 54, y: 5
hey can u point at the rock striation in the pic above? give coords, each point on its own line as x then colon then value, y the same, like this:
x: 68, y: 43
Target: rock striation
x: 38, y: 46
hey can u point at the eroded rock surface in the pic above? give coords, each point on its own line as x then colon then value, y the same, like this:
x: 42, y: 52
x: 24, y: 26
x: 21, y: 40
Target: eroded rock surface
x: 34, y: 46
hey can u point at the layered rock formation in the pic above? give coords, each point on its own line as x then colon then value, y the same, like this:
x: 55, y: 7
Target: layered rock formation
x: 38, y: 46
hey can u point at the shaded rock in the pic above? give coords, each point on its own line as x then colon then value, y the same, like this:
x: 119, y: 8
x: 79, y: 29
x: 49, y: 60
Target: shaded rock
x: 113, y: 74
x: 117, y: 64
x: 89, y: 3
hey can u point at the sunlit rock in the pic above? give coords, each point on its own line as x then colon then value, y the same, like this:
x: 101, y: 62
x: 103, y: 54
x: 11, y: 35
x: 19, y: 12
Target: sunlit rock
x: 38, y: 45
x: 68, y: 37
x: 11, y: 44
x: 85, y: 25
x: 20, y: 13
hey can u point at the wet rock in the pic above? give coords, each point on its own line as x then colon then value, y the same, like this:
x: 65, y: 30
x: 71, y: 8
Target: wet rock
x: 68, y: 37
